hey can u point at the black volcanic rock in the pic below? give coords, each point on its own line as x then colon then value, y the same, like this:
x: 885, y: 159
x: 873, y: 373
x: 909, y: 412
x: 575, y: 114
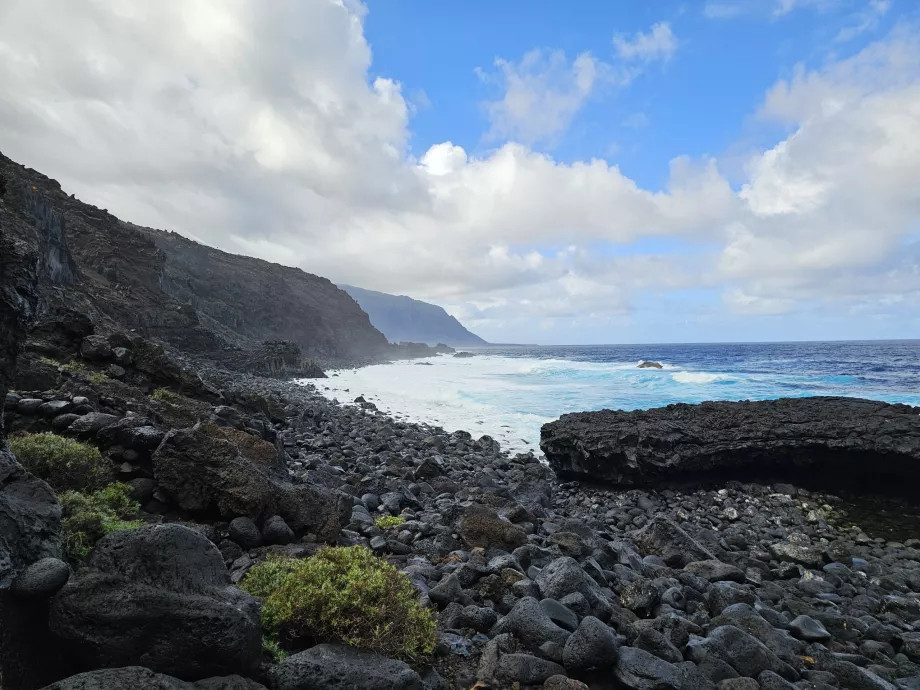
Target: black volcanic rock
x: 123, y: 277
x: 29, y: 511
x: 838, y: 439
x: 160, y: 595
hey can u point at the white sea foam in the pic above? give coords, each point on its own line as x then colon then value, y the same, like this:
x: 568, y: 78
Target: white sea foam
x: 699, y: 377
x: 510, y: 398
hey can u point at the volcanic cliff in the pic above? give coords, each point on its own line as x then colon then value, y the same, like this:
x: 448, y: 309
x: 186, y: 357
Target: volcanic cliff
x: 163, y: 286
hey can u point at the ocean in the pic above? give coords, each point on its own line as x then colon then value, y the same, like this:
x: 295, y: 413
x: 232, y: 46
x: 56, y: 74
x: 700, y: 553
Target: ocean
x: 510, y: 392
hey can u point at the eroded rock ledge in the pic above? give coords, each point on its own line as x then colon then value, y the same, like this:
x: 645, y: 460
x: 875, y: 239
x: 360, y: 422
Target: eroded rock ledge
x: 841, y: 440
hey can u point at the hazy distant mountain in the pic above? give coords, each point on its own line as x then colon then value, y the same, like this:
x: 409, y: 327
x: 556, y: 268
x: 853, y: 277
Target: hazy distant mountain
x: 402, y: 318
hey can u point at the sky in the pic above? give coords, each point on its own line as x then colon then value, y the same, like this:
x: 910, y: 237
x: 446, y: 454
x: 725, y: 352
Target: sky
x: 547, y: 171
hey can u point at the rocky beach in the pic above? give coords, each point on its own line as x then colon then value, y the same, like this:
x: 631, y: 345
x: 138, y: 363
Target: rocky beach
x: 180, y: 508
x: 534, y: 581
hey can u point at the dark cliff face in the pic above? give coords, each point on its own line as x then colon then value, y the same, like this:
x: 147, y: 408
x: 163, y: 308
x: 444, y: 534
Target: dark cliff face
x: 403, y: 319
x: 252, y: 298
x: 164, y: 286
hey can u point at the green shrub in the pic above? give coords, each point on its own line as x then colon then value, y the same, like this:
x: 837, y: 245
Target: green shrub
x: 62, y: 462
x: 98, y: 377
x: 344, y: 595
x: 76, y: 368
x: 387, y: 521
x: 87, y: 517
x: 167, y: 396
x: 49, y: 362
x: 272, y: 649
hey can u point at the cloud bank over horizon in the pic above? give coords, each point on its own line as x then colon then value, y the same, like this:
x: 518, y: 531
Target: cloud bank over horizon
x: 265, y: 129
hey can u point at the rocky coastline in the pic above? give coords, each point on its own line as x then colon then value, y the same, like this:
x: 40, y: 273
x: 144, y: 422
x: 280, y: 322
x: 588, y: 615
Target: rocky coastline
x: 534, y: 581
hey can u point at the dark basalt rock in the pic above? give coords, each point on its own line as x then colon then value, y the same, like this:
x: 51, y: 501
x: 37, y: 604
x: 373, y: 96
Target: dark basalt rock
x: 139, y: 678
x: 208, y: 475
x: 30, y: 514
x: 861, y: 442
x: 336, y: 667
x: 158, y: 595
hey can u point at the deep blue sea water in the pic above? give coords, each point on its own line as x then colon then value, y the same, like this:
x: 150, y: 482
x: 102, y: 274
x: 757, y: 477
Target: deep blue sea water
x: 509, y: 392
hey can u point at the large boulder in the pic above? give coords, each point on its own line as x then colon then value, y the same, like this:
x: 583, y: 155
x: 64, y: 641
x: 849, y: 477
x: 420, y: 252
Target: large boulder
x: 842, y: 439
x: 30, y: 518
x: 337, y: 667
x: 662, y: 537
x: 140, y: 678
x: 159, y: 596
x: 481, y: 526
x: 206, y: 473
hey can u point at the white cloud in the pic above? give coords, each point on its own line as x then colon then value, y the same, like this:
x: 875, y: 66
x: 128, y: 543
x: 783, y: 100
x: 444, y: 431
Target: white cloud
x: 786, y: 6
x: 255, y: 127
x: 864, y: 21
x: 544, y: 91
x: 659, y: 43
x: 542, y: 94
x: 730, y: 9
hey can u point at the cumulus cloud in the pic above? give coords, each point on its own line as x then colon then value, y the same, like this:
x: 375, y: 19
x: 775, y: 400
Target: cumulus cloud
x: 257, y: 128
x: 544, y: 91
x: 659, y: 43
x: 542, y: 94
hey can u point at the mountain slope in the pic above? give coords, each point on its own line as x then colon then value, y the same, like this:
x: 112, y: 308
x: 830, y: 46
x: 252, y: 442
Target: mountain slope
x: 162, y: 285
x: 403, y: 319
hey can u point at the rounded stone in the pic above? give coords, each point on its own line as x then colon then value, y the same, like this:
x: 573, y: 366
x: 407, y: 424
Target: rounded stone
x: 276, y: 531
x: 245, y: 533
x: 42, y: 579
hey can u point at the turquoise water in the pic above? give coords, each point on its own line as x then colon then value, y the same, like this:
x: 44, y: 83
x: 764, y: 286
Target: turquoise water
x: 510, y: 392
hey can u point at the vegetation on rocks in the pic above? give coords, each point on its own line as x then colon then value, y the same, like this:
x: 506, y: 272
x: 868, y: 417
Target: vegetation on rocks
x: 343, y: 594
x: 64, y: 463
x: 87, y: 517
x: 167, y: 396
x: 387, y: 521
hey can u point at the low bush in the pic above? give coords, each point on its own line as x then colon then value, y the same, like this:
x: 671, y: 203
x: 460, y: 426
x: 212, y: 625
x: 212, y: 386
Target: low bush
x: 75, y: 368
x: 345, y: 595
x: 167, y: 396
x: 272, y: 649
x: 87, y: 517
x: 387, y: 521
x: 62, y: 462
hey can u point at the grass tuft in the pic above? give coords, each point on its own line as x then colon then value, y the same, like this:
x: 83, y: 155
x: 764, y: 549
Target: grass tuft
x: 88, y: 517
x: 387, y: 521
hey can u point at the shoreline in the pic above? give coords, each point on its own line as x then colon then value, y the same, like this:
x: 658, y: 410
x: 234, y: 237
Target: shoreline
x: 485, y: 536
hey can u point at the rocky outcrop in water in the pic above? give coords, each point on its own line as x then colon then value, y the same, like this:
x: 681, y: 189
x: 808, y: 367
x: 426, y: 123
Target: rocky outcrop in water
x: 859, y: 442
